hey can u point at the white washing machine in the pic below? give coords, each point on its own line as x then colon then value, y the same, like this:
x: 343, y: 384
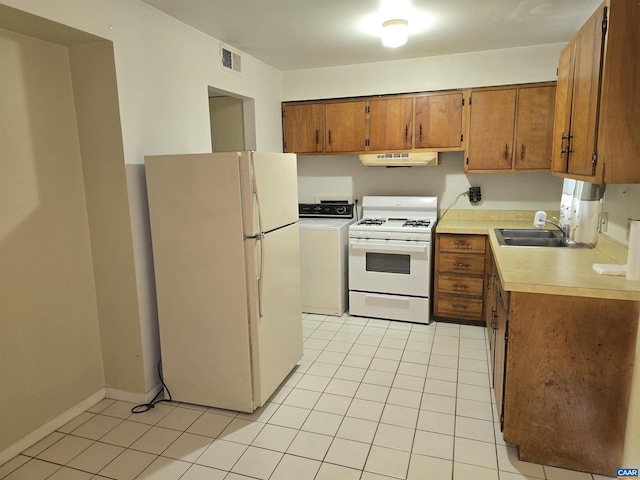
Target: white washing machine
x: 324, y: 244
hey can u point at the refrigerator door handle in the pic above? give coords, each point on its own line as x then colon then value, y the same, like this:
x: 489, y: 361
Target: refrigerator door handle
x: 258, y: 237
x: 260, y: 267
x: 256, y: 199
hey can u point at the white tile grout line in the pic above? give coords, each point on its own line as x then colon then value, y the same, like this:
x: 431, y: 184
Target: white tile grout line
x: 362, y: 324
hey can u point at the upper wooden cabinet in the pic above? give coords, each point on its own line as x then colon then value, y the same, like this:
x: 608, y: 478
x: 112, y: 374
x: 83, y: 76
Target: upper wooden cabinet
x: 345, y: 127
x: 303, y: 127
x: 534, y: 128
x: 491, y: 127
x: 438, y: 121
x: 390, y: 124
x: 400, y: 123
x: 510, y: 128
x: 596, y: 122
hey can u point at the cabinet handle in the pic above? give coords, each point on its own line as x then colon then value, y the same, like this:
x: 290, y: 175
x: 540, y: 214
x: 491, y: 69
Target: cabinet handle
x: 329, y: 136
x: 460, y: 287
x: 506, y: 151
x: 421, y: 137
x: 317, y: 137
x: 406, y: 133
x: 464, y: 307
x: 523, y: 152
x: 462, y: 245
x: 462, y: 265
x: 568, y: 138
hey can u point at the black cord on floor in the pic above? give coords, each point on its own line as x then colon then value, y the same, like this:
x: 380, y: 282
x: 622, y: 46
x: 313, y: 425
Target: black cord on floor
x: 145, y: 407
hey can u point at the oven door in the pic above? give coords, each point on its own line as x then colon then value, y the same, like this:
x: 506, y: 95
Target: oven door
x: 390, y: 266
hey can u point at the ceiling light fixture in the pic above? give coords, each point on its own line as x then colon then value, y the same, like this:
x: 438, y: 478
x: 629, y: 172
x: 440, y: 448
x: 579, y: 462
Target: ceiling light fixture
x: 394, y: 33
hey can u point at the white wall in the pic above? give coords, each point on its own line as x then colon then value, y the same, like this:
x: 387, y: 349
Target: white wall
x: 50, y: 345
x: 164, y: 70
x: 494, y: 67
x: 621, y: 202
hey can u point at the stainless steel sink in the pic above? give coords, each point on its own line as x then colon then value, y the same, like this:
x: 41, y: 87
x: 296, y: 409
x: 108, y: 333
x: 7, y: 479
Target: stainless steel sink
x: 528, y: 233
x: 534, y: 238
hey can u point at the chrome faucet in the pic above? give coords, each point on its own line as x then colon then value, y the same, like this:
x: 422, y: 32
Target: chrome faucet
x: 541, y: 218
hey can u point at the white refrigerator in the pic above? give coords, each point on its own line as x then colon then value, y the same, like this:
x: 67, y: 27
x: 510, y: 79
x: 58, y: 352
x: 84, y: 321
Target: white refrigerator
x: 227, y: 267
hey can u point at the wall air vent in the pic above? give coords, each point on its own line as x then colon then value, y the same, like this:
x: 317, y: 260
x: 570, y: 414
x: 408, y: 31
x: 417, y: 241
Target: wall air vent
x: 230, y: 60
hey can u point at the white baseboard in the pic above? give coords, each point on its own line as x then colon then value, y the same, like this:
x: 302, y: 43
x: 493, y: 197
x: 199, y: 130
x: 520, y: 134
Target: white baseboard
x: 132, y: 397
x: 49, y: 427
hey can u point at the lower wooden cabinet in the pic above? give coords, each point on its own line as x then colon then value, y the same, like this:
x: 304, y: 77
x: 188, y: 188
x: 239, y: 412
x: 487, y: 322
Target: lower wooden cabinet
x: 459, y: 277
x: 561, y: 371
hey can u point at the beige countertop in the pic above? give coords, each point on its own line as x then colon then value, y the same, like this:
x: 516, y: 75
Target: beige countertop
x: 555, y: 271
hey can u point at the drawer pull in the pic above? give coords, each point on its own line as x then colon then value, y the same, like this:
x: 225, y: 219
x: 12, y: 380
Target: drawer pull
x: 464, y: 307
x: 460, y: 287
x: 463, y: 245
x: 462, y: 265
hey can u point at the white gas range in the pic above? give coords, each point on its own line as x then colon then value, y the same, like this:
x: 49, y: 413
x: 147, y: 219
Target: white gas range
x: 390, y: 258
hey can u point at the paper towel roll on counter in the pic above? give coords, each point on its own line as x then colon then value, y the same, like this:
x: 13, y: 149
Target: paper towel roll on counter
x: 633, y: 258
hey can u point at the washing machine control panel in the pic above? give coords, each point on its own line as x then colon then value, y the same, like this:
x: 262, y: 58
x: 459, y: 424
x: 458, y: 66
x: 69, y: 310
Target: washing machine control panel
x: 331, y: 210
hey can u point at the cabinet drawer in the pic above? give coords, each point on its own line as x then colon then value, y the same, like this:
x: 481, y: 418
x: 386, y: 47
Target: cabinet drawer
x: 472, y: 286
x: 459, y: 307
x: 462, y: 243
x: 467, y: 264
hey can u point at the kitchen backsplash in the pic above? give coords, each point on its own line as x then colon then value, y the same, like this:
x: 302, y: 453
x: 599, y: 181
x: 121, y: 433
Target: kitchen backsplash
x: 346, y: 175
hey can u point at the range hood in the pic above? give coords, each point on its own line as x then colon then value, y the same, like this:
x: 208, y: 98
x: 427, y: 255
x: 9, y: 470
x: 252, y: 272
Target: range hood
x: 404, y: 159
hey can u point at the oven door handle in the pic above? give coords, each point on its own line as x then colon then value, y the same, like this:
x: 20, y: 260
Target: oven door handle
x: 404, y: 247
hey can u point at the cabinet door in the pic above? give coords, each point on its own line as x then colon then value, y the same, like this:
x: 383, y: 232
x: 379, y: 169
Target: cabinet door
x: 534, y: 128
x: 490, y: 304
x: 586, y: 95
x: 562, y: 117
x: 500, y: 347
x: 303, y: 129
x: 491, y: 128
x: 390, y: 124
x: 345, y: 127
x: 438, y: 121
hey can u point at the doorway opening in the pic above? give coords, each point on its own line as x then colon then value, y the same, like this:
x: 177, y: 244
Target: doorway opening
x: 232, y: 120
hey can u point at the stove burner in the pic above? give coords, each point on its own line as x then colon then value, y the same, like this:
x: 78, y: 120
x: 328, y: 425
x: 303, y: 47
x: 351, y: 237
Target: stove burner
x: 372, y: 221
x: 416, y: 223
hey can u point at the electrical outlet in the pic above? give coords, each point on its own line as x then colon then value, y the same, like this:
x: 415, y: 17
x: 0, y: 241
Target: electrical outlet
x: 475, y: 194
x: 605, y: 222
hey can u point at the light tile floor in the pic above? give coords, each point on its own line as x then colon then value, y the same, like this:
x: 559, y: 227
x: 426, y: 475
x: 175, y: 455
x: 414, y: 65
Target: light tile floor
x: 370, y: 400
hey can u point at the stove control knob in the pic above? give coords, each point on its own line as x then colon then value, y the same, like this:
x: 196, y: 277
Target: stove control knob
x: 341, y: 210
x: 317, y: 209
